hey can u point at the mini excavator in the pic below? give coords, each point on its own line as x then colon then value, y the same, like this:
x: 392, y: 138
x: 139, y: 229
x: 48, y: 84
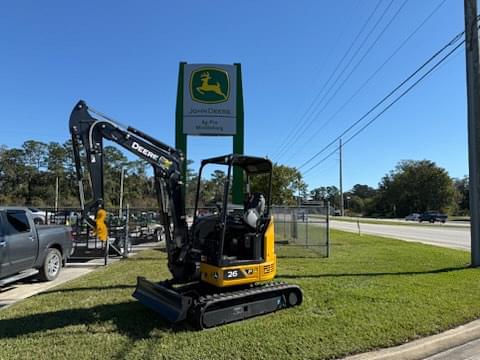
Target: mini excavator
x: 223, y: 264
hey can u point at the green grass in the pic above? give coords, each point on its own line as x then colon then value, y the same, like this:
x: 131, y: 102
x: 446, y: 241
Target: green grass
x: 372, y: 292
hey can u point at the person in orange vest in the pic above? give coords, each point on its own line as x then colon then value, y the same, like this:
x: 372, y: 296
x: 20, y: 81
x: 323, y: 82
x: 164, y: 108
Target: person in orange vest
x: 101, y: 229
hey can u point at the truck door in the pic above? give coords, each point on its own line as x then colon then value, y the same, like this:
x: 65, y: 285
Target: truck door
x: 4, y: 261
x: 21, y: 240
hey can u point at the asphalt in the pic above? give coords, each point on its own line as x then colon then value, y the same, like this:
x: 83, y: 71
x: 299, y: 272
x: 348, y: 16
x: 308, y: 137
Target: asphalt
x: 28, y: 287
x: 467, y: 351
x: 456, y: 237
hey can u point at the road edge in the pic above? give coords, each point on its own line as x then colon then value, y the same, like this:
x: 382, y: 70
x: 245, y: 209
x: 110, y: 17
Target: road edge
x: 428, y: 346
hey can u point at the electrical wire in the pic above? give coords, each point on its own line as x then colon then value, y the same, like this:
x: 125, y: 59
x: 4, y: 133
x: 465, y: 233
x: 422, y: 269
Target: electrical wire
x: 359, y: 131
x: 425, y: 64
x: 372, y: 76
x: 304, y: 116
x: 316, y: 110
x: 355, y: 67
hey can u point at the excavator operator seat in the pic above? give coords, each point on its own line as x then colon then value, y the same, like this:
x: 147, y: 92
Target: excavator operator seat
x: 254, y: 209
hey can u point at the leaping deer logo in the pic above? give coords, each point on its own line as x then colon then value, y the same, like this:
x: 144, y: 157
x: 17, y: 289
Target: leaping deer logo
x: 206, y: 87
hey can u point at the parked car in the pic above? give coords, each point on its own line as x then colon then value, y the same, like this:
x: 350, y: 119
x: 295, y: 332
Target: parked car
x: 28, y: 249
x: 432, y: 216
x: 412, y: 217
x: 38, y: 216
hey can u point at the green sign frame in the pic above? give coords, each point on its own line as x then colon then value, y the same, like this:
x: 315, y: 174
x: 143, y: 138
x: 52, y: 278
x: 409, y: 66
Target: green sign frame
x: 238, y: 139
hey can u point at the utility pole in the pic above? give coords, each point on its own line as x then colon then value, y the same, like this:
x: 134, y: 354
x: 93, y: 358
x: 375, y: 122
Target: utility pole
x: 341, y: 181
x: 473, y: 93
x: 121, y: 193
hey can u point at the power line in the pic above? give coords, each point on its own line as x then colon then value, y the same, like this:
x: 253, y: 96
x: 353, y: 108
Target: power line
x: 392, y: 103
x: 449, y: 44
x: 355, y: 67
x: 404, y: 93
x: 287, y: 139
x: 315, y: 112
x: 372, y: 76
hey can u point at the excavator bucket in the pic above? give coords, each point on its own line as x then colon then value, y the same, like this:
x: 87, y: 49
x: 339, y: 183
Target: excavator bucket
x: 171, y: 305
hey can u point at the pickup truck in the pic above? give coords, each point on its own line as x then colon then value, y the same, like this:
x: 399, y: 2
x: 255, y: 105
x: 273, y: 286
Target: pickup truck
x: 432, y: 216
x: 27, y: 249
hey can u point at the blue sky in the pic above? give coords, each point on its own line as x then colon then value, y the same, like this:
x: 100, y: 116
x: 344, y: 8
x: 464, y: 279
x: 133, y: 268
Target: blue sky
x: 122, y: 58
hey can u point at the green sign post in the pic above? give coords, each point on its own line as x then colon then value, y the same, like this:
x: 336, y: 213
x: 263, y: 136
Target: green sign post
x: 210, y: 102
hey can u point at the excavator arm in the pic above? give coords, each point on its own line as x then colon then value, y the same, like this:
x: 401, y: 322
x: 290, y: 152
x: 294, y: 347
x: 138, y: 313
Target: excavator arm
x: 88, y: 133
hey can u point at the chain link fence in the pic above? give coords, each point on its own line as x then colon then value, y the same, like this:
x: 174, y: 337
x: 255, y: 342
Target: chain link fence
x: 127, y: 228
x: 302, y: 231
x: 299, y: 231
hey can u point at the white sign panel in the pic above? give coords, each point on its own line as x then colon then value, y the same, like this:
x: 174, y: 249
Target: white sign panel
x: 209, y: 99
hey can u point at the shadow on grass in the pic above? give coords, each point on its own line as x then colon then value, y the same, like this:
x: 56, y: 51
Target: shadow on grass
x: 88, y: 288
x: 301, y: 257
x: 131, y: 319
x: 435, y: 271
x: 139, y: 258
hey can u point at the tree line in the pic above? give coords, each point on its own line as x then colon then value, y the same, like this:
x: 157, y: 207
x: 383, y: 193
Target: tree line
x: 28, y: 176
x: 413, y: 186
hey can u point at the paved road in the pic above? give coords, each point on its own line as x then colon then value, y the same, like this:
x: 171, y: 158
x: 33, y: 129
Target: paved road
x: 468, y: 351
x: 451, y: 237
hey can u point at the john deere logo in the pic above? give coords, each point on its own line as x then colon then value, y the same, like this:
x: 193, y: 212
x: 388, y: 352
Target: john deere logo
x: 209, y: 85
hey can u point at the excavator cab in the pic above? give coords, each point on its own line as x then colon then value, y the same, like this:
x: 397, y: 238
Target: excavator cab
x: 237, y: 243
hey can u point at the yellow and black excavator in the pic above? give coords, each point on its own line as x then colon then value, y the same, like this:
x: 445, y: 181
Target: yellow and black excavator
x: 223, y: 264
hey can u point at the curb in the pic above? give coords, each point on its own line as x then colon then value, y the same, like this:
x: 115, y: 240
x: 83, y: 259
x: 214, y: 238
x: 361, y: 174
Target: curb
x: 422, y: 348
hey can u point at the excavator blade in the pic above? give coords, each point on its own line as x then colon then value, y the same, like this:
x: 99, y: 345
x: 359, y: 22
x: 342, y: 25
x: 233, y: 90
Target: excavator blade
x: 171, y: 305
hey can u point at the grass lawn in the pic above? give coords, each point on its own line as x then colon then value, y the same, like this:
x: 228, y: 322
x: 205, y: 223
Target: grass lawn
x: 372, y: 292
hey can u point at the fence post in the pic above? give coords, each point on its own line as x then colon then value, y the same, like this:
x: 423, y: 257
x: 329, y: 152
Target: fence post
x: 125, y: 238
x: 294, y: 229
x: 306, y: 231
x: 358, y: 226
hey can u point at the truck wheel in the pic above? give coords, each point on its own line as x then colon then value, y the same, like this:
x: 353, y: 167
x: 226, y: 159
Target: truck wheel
x: 51, y: 265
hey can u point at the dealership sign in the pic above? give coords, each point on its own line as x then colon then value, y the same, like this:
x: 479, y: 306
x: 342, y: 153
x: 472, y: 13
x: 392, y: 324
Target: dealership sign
x: 209, y: 99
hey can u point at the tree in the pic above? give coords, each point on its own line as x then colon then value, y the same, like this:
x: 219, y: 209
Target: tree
x: 359, y: 198
x: 35, y: 154
x: 461, y: 196
x: 286, y: 183
x: 415, y: 186
x: 327, y: 193
x: 362, y: 191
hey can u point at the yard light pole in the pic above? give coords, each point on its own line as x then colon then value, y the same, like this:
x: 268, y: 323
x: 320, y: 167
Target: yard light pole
x: 121, y: 192
x: 56, y: 194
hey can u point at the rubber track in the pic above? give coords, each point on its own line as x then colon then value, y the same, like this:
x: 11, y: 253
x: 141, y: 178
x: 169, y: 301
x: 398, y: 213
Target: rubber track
x: 204, y: 302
